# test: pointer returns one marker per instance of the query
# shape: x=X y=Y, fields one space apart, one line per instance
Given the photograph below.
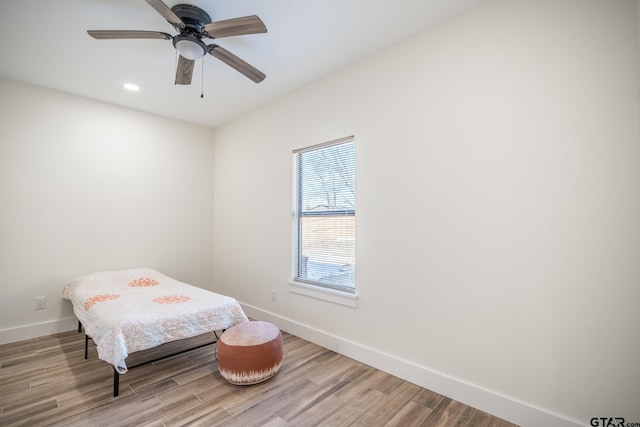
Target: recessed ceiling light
x=131 y=87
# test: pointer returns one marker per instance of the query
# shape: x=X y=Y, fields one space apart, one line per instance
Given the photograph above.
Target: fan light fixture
x=190 y=47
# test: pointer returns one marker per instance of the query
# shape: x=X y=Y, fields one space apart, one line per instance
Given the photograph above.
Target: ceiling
x=44 y=43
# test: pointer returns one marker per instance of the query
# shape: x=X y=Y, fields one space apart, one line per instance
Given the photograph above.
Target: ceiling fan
x=194 y=24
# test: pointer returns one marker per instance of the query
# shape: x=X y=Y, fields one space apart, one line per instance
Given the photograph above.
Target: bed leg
x=116 y=383
x=86 y=346
x=79 y=326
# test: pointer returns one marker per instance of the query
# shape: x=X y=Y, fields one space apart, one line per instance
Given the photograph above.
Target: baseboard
x=37 y=330
x=517 y=412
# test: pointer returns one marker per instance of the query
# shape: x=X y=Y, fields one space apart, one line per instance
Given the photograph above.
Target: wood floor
x=47 y=381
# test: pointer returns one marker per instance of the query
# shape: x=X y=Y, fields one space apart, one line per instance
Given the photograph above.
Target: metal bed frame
x=116 y=374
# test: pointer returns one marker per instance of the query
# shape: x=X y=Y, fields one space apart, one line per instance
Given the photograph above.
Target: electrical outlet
x=41 y=303
x=274 y=295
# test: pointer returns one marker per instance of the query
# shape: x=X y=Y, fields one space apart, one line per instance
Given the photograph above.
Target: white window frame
x=312 y=289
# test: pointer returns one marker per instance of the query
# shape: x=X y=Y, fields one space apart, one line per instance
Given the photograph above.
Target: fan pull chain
x=202 y=79
x=175 y=65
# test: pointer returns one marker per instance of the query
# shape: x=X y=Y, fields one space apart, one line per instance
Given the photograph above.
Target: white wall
x=86 y=186
x=498 y=221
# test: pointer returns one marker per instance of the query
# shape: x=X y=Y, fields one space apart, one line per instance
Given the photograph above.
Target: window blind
x=326 y=214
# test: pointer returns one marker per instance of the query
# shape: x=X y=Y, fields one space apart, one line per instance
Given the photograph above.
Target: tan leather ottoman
x=250 y=352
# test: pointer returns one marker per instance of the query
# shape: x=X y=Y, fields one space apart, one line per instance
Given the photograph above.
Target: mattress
x=131 y=310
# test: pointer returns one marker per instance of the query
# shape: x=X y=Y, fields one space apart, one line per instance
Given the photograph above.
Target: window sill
x=332 y=295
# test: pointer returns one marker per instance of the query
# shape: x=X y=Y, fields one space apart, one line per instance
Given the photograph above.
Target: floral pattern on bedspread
x=132 y=310
x=143 y=282
x=98 y=298
x=171 y=299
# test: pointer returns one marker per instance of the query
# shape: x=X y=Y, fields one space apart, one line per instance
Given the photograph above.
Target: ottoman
x=250 y=352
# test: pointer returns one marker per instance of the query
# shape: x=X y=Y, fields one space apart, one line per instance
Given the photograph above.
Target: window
x=325 y=215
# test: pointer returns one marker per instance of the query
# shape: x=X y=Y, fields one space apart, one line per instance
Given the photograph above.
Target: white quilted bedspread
x=132 y=310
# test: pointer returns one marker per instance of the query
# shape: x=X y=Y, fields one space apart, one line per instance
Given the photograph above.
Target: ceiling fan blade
x=235 y=27
x=166 y=12
x=126 y=34
x=233 y=61
x=184 y=72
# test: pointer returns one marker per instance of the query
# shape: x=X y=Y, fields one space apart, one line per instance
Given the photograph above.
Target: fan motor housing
x=193 y=17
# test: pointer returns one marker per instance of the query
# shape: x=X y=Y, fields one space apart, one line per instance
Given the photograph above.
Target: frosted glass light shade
x=189 y=49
